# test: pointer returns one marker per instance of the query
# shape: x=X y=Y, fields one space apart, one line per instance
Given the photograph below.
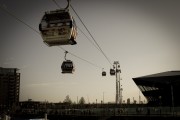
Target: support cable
x=33 y=29
x=91 y=36
x=97 y=45
x=78 y=27
x=80 y=58
x=14 y=16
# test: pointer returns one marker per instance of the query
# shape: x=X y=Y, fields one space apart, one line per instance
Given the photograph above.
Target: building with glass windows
x=9 y=86
x=161 y=89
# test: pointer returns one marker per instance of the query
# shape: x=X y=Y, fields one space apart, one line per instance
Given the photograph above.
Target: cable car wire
x=80 y=58
x=91 y=36
x=98 y=47
x=56 y=3
x=33 y=29
x=87 y=38
x=78 y=27
x=10 y=13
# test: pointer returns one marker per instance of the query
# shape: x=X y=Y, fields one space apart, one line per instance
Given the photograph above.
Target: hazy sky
x=143 y=35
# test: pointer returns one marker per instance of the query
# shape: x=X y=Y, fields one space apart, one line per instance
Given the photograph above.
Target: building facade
x=9 y=86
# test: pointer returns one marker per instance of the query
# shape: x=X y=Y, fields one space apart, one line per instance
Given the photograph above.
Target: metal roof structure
x=163 y=74
x=161 y=88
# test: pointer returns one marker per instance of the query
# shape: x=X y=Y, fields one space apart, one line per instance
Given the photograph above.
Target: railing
x=138 y=111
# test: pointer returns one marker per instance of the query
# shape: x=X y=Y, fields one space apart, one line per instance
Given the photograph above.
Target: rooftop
x=162 y=74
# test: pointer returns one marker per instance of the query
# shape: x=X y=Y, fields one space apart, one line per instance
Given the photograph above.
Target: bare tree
x=67 y=100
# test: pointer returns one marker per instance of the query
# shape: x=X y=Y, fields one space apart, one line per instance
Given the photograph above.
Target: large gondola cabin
x=58 y=28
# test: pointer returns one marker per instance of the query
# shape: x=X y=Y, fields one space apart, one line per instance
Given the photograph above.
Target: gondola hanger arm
x=65 y=54
x=67 y=7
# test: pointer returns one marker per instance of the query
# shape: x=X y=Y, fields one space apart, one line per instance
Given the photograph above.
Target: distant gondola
x=67 y=66
x=112 y=72
x=103 y=73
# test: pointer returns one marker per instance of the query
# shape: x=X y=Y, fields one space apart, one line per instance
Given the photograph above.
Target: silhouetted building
x=161 y=89
x=9 y=86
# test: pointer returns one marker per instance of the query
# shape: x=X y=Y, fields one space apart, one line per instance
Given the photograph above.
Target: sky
x=143 y=35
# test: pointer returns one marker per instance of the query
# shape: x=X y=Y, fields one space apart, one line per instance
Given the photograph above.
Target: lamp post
x=172 y=97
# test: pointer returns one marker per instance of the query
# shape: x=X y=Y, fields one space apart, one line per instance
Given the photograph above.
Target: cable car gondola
x=112 y=72
x=67 y=66
x=58 y=28
x=103 y=72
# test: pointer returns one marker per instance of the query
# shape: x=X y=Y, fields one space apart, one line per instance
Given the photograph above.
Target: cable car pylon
x=118 y=85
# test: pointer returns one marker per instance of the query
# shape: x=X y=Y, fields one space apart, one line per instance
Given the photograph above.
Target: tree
x=82 y=101
x=67 y=100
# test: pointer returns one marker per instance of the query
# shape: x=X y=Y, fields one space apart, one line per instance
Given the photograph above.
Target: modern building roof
x=160 y=85
x=159 y=78
x=163 y=74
